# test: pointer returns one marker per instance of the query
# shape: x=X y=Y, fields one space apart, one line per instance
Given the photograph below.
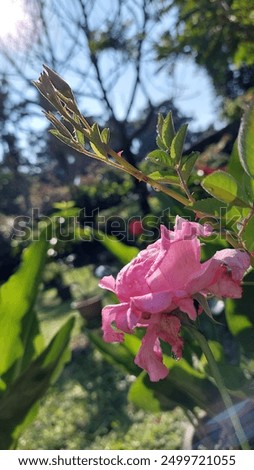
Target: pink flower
x=161 y=281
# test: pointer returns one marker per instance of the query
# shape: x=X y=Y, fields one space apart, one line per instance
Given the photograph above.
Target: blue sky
x=188 y=86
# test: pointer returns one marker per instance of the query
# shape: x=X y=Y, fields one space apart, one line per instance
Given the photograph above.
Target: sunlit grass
x=88 y=407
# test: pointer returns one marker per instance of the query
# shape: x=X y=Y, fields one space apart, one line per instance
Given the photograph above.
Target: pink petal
x=127 y=320
x=186 y=230
x=149 y=356
x=130 y=281
x=153 y=302
x=221 y=275
x=112 y=314
x=226 y=287
x=238 y=261
x=169 y=332
x=108 y=282
x=166 y=236
x=207 y=275
x=187 y=306
x=177 y=267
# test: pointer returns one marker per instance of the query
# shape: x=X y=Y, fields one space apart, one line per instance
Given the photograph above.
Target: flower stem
x=245 y=221
x=132 y=170
x=240 y=434
x=184 y=184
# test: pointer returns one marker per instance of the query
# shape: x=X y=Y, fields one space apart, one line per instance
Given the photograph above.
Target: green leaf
x=95 y=133
x=246 y=141
x=248 y=188
x=59 y=126
x=105 y=135
x=160 y=157
x=98 y=150
x=97 y=143
x=133 y=344
x=119 y=354
x=58 y=82
x=240 y=316
x=167 y=133
x=233 y=377
x=176 y=148
x=188 y=164
x=164 y=177
x=66 y=140
x=209 y=206
x=80 y=137
x=142 y=396
x=160 y=143
x=223 y=187
x=18 y=404
x=240 y=324
x=19 y=330
x=234 y=167
x=184 y=387
x=204 y=304
x=244 y=181
x=122 y=252
x=248 y=235
x=160 y=122
x=78 y=134
x=159 y=140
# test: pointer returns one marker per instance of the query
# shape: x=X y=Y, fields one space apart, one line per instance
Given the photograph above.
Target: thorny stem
x=245 y=221
x=183 y=184
x=231 y=240
x=122 y=164
x=240 y=434
x=128 y=168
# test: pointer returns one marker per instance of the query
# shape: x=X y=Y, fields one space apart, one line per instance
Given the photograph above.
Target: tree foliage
x=219 y=34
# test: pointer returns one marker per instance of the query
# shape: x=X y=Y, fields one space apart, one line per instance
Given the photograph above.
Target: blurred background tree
x=103 y=49
x=218 y=35
x=120 y=57
x=116 y=55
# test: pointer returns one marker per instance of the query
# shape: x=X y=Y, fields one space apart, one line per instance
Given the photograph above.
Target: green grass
x=81 y=281
x=88 y=409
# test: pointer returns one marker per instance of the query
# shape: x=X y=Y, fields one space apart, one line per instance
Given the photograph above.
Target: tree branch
x=87 y=32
